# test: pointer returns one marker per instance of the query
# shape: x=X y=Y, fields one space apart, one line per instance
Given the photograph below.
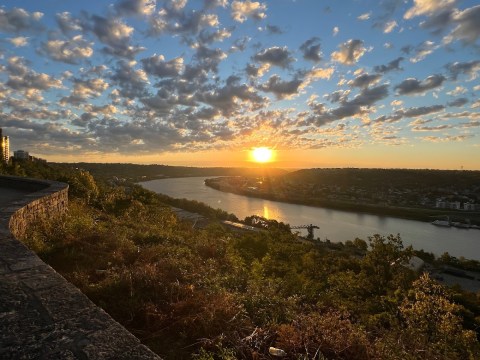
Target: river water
x=335 y=225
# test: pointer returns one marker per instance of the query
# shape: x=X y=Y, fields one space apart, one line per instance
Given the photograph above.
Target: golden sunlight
x=262 y=154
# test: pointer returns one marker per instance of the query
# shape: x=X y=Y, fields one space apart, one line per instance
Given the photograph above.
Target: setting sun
x=262 y=154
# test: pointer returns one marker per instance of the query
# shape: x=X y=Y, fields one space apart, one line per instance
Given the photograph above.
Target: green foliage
x=81 y=185
x=433 y=327
x=220 y=294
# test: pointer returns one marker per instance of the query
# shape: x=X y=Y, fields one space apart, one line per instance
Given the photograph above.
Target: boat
x=461 y=225
x=444 y=223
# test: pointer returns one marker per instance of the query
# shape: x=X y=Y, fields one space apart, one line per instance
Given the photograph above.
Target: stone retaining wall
x=43 y=316
x=47 y=199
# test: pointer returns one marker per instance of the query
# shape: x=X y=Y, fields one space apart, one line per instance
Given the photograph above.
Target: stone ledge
x=43 y=316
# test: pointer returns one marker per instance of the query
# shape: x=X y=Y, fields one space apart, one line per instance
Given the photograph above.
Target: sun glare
x=262 y=154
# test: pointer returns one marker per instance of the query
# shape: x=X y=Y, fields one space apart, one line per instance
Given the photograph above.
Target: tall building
x=4 y=147
x=21 y=155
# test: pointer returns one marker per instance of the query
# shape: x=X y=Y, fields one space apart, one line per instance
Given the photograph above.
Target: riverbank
x=418 y=214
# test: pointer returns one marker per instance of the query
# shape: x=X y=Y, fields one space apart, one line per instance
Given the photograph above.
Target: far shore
x=418 y=214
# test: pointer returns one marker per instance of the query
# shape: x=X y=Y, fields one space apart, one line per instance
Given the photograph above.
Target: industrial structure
x=310 y=234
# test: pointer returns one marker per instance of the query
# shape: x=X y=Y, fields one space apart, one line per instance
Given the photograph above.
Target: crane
x=309 y=228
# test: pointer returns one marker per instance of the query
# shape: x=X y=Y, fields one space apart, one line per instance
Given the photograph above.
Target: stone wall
x=46 y=199
x=43 y=316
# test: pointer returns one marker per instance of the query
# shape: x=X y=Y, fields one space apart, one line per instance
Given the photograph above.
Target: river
x=335 y=225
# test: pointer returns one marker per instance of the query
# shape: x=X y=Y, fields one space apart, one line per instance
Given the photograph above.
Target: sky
x=325 y=83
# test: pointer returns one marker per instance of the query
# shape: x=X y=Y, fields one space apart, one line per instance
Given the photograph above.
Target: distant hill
x=386 y=178
x=136 y=172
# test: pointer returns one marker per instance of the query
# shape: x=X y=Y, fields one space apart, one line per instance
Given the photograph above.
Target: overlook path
x=8 y=194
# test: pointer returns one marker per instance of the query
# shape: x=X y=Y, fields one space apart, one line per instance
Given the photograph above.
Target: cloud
x=457 y=91
x=349 y=52
x=431 y=128
x=158 y=23
x=241 y=10
x=356 y=107
x=412 y=86
x=105 y=110
x=311 y=50
x=389 y=26
x=458 y=102
x=335 y=31
x=338 y=96
x=369 y=96
x=319 y=73
x=273 y=29
x=391 y=66
x=131 y=82
x=438 y=22
x=423 y=50
x=256 y=71
x=23 y=78
x=239 y=44
x=276 y=56
x=207 y=37
x=210 y=4
x=67 y=23
x=209 y=58
x=192 y=23
x=115 y=34
x=468 y=25
x=135 y=7
x=447 y=138
x=364 y=16
x=365 y=80
x=156 y=65
x=442 y=15
x=111 y=31
x=427 y=7
x=230 y=97
x=19 y=41
x=68 y=51
x=469 y=68
x=176 y=5
x=17 y=66
x=281 y=89
x=173 y=19
x=472 y=116
x=83 y=89
x=18 y=19
x=419 y=111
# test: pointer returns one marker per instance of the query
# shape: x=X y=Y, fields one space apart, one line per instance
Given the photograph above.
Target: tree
x=384 y=264
x=433 y=325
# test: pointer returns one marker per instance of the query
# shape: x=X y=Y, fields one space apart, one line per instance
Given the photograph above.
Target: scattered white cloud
x=69 y=51
x=389 y=26
x=241 y=10
x=364 y=16
x=18 y=19
x=427 y=7
x=467 y=25
x=19 y=41
x=457 y=91
x=412 y=86
x=350 y=52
